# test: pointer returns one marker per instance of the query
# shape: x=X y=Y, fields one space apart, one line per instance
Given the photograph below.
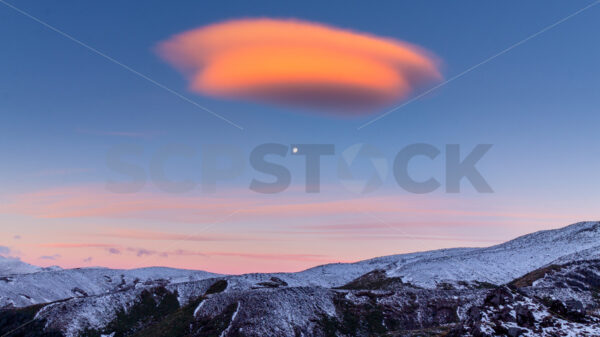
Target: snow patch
x=226 y=331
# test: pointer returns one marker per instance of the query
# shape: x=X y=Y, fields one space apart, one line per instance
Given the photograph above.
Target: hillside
x=540 y=284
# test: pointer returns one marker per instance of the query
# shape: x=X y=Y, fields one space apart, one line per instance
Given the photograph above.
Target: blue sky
x=64 y=106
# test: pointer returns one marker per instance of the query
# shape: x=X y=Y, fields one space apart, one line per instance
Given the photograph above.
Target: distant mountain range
x=542 y=284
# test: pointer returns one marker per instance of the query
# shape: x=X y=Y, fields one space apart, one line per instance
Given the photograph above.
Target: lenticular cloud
x=299 y=63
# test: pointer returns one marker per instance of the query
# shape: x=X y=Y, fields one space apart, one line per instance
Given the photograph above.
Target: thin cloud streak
x=91 y=201
x=127 y=134
x=166 y=236
x=75 y=245
x=142 y=252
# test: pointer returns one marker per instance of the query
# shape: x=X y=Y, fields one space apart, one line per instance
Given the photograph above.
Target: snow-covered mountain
x=44 y=286
x=9 y=265
x=496 y=264
x=554 y=277
x=502 y=263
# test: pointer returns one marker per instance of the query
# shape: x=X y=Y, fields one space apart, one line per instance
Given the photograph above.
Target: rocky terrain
x=542 y=284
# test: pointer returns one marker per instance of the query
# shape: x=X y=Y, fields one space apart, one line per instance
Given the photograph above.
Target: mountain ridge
x=548 y=275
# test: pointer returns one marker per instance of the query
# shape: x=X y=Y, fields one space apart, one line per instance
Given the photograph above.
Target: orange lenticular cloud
x=299 y=63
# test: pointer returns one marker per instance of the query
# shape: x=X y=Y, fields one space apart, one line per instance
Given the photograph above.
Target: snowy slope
x=502 y=263
x=305 y=297
x=15 y=266
x=497 y=264
x=48 y=286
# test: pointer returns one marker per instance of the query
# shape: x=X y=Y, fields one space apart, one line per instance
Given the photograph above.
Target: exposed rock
x=515 y=332
x=274 y=282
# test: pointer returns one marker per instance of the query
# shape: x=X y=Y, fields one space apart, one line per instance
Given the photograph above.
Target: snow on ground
x=505 y=262
x=543 y=323
x=48 y=286
x=497 y=264
x=226 y=331
x=119 y=288
x=9 y=266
